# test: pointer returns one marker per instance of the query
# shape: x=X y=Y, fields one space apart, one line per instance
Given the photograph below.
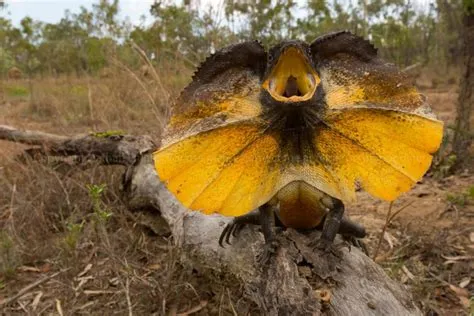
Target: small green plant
x=73 y=235
x=470 y=192
x=108 y=133
x=461 y=198
x=79 y=90
x=457 y=199
x=445 y=166
x=101 y=213
x=95 y=193
x=16 y=91
x=394 y=268
x=8 y=257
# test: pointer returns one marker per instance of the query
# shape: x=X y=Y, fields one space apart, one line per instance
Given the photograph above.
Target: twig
x=221 y=301
x=29 y=287
x=387 y=219
x=195 y=309
x=98 y=292
x=84 y=306
x=127 y=294
x=399 y=211
x=183 y=57
x=142 y=85
x=36 y=300
x=140 y=82
x=438 y=278
x=22 y=306
x=142 y=53
x=411 y=67
x=59 y=307
x=230 y=303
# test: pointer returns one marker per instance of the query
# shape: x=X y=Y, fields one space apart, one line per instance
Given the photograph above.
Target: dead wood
x=113 y=149
x=411 y=68
x=298 y=281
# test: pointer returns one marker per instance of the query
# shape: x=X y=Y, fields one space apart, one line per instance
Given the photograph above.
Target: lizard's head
x=290 y=75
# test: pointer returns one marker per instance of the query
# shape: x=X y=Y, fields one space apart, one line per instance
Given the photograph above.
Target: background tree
x=462 y=137
x=268 y=21
x=85 y=42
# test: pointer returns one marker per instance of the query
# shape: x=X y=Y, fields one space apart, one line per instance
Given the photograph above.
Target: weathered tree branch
x=109 y=149
x=290 y=285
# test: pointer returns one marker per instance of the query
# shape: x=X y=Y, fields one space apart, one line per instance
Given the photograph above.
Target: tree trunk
x=298 y=281
x=462 y=137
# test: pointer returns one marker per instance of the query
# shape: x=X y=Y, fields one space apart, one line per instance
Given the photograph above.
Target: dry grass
x=52 y=221
x=124 y=99
x=53 y=218
x=429 y=245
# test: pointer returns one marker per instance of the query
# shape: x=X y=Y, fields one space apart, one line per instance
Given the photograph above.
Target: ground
x=112 y=261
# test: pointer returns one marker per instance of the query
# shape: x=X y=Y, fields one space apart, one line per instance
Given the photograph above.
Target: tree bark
x=298 y=280
x=462 y=137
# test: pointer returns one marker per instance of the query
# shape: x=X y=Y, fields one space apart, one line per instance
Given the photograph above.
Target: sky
x=53 y=10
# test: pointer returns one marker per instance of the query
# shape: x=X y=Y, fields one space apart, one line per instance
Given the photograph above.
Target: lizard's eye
x=292 y=79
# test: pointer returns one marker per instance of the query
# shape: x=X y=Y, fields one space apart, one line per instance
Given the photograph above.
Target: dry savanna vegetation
x=69 y=245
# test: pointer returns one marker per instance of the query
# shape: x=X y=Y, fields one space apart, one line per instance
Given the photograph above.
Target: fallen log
x=298 y=281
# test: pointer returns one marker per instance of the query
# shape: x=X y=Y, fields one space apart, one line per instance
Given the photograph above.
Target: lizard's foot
x=328 y=247
x=269 y=250
x=356 y=242
x=321 y=244
x=263 y=216
x=231 y=229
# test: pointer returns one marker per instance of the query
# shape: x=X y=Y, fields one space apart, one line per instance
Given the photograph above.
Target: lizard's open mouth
x=293 y=79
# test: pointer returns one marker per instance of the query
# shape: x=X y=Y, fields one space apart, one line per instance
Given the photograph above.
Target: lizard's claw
x=269 y=250
x=328 y=247
x=231 y=229
x=356 y=242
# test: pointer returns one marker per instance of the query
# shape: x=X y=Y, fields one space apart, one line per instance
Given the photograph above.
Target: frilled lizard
x=292 y=132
